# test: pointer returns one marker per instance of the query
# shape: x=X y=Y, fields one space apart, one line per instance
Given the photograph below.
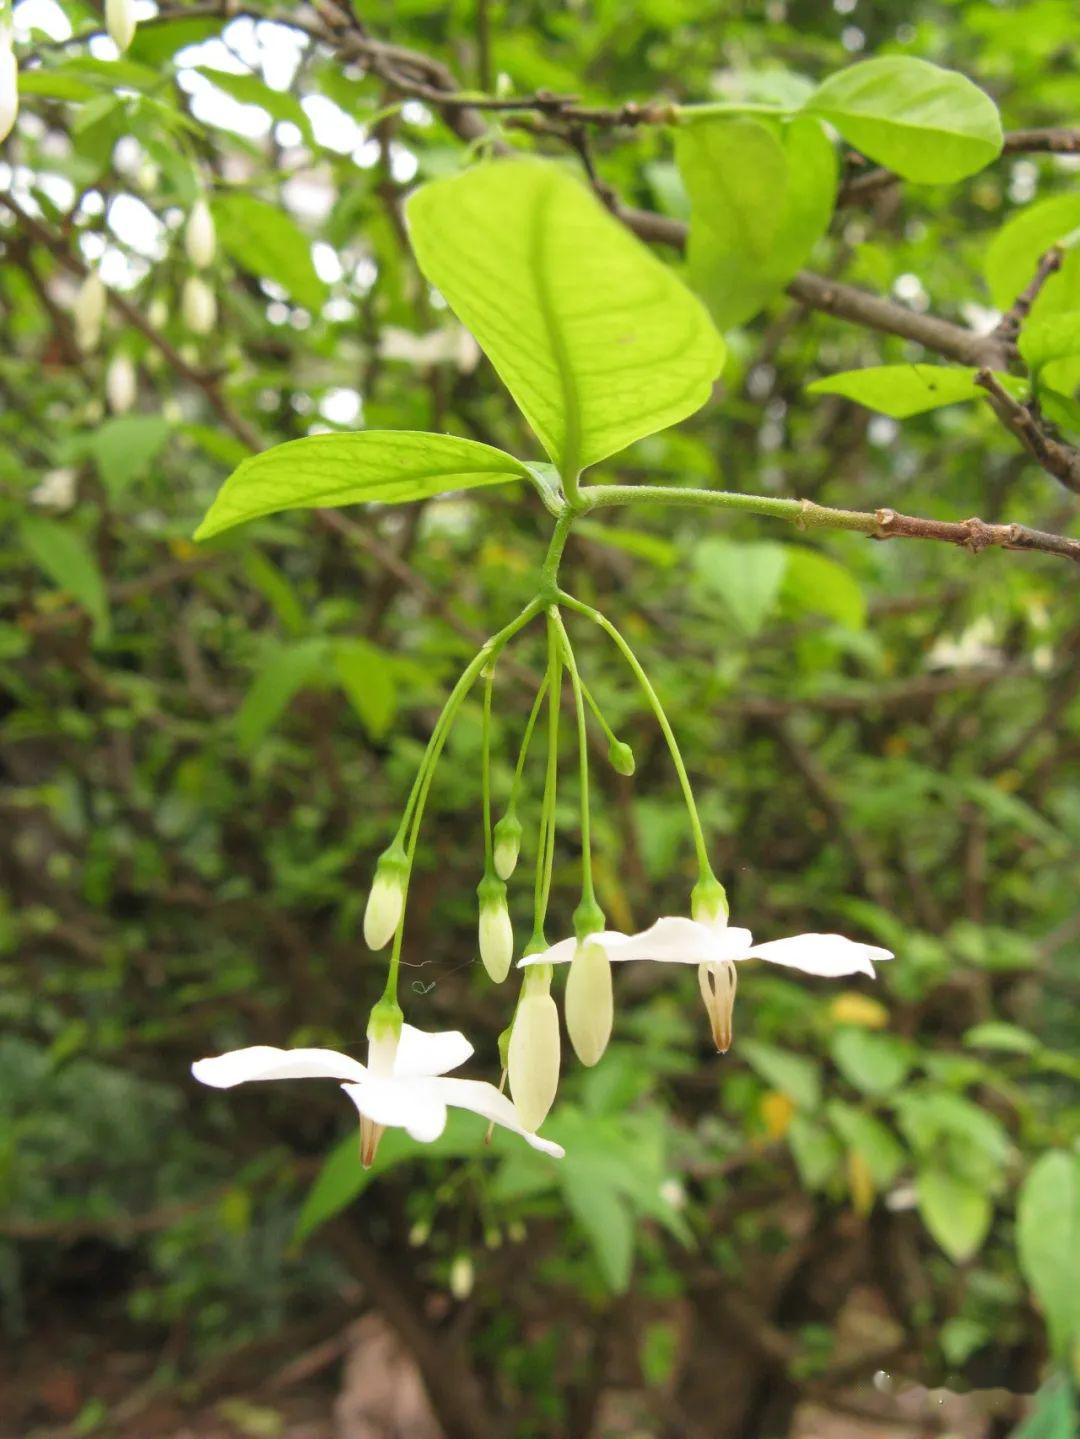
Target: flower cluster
x=404 y=1082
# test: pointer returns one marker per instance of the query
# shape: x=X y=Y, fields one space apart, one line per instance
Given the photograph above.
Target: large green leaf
x=762 y=195
x=956 y=1212
x=870 y=1138
x=816 y=582
x=605 y=1217
x=597 y=340
x=126 y=446
x=1017 y=248
x=1048 y=1239
x=905 y=390
x=368 y=681
x=746 y=576
x=390 y=466
x=874 y=1063
x=266 y=240
x=63 y=554
x=287 y=670
x=926 y=123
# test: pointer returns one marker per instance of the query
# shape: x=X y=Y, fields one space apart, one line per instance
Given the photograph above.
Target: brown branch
x=1055 y=456
x=1010 y=324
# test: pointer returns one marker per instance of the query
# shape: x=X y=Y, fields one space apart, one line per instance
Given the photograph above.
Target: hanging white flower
x=121 y=384
x=590 y=1002
x=89 y=311
x=198 y=305
x=534 y=1055
x=412 y=1094
x=120 y=22
x=9 y=83
x=200 y=237
x=716 y=949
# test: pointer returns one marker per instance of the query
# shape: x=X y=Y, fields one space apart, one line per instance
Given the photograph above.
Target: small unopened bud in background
x=120 y=22
x=9 y=83
x=462 y=1277
x=589 y=1004
x=121 y=384
x=198 y=306
x=533 y=1059
x=386 y=899
x=496 y=931
x=507 y=838
x=420 y=1233
x=200 y=240
x=621 y=757
x=89 y=311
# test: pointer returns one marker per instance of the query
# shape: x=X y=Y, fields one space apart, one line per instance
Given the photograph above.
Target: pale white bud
x=507 y=838
x=462 y=1277
x=9 y=83
x=158 y=312
x=386 y=899
x=89 y=311
x=590 y=1004
x=496 y=931
x=120 y=22
x=198 y=306
x=718 y=982
x=200 y=239
x=533 y=1060
x=121 y=384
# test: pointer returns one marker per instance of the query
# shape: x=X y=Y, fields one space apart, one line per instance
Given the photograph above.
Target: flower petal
x=828 y=955
x=414 y=1105
x=677 y=940
x=564 y=950
x=420 y=1053
x=262 y=1061
x=483 y=1098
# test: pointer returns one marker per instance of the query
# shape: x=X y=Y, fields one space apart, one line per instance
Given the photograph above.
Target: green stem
x=485 y=765
x=526 y=741
x=662 y=720
x=545 y=849
x=588 y=898
x=803 y=513
x=609 y=734
x=549 y=570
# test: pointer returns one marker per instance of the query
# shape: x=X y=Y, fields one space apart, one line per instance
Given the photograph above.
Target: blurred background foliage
x=867 y=1208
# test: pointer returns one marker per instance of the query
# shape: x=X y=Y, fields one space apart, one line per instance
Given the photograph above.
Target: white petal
x=827 y=955
x=564 y=951
x=676 y=940
x=410 y=1104
x=262 y=1061
x=483 y=1098
x=420 y=1053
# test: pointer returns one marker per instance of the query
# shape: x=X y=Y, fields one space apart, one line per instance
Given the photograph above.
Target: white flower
x=198 y=306
x=590 y=1002
x=9 y=83
x=716 y=949
x=200 y=237
x=450 y=345
x=533 y=1056
x=120 y=22
x=89 y=311
x=57 y=490
x=411 y=1093
x=121 y=384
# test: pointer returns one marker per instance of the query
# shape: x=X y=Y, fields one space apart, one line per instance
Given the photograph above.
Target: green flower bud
x=621 y=757
x=387 y=898
x=507 y=837
x=708 y=901
x=496 y=931
x=462 y=1277
x=533 y=1059
x=589 y=1005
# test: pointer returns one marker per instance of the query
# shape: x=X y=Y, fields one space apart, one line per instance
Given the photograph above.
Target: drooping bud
x=718 y=982
x=200 y=237
x=507 y=838
x=120 y=22
x=462 y=1276
x=121 y=384
x=533 y=1059
x=198 y=306
x=496 y=931
x=589 y=1004
x=387 y=898
x=708 y=902
x=621 y=757
x=9 y=83
x=383 y=1033
x=89 y=311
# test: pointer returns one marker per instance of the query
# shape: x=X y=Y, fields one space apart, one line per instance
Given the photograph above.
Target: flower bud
x=718 y=983
x=507 y=837
x=89 y=311
x=462 y=1276
x=9 y=83
x=533 y=1061
x=621 y=757
x=589 y=1004
x=387 y=898
x=198 y=306
x=158 y=312
x=200 y=239
x=120 y=22
x=420 y=1233
x=121 y=384
x=708 y=902
x=496 y=931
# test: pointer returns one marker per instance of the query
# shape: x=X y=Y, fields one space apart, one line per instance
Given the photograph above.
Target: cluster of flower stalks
x=404 y=1082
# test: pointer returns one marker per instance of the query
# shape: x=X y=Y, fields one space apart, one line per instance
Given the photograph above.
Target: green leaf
x=926 y=123
x=996 y=1034
x=265 y=240
x=1014 y=254
x=795 y=1075
x=761 y=195
x=1056 y=1414
x=816 y=582
x=276 y=589
x=1048 y=1243
x=63 y=554
x=956 y=1212
x=1054 y=338
x=872 y=1140
x=815 y=1151
x=391 y=466
x=639 y=543
x=874 y=1063
x=905 y=390
x=367 y=679
x=604 y=1216
x=746 y=576
x=288 y=670
x=596 y=339
x=124 y=448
